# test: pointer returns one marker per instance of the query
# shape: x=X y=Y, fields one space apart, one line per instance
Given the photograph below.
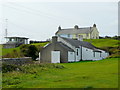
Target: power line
x=38 y=14
x=45 y=14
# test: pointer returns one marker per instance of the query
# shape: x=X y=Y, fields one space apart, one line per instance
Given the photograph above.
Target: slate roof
x=65 y=46
x=61 y=45
x=75 y=31
x=78 y=43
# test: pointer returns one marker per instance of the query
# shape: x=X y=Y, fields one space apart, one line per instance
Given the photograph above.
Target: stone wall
x=17 y=61
x=9 y=45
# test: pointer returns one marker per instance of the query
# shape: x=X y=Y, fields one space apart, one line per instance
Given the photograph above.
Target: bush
x=8 y=68
x=29 y=51
x=34 y=68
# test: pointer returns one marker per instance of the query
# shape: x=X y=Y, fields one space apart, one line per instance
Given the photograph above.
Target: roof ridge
x=74 y=28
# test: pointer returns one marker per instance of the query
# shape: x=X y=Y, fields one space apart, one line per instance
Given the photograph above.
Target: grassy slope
x=95 y=74
x=111 y=45
x=101 y=43
x=0 y=50
x=10 y=50
x=104 y=42
x=41 y=44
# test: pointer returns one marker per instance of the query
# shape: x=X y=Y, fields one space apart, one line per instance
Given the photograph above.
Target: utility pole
x=6 y=26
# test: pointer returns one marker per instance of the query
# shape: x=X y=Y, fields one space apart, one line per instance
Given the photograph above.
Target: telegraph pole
x=6 y=26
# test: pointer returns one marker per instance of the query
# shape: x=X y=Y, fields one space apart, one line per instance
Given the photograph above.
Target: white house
x=84 y=32
x=63 y=50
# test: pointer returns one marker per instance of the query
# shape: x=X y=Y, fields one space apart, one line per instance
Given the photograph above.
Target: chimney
x=54 y=39
x=76 y=27
x=80 y=37
x=94 y=25
x=59 y=28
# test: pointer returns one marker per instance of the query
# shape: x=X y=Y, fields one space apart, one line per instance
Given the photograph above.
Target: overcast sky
x=40 y=20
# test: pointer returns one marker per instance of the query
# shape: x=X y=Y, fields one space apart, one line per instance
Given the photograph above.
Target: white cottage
x=63 y=50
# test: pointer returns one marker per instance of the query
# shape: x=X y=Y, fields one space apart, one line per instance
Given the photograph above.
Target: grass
x=41 y=44
x=104 y=42
x=0 y=50
x=9 y=52
x=89 y=74
x=110 y=45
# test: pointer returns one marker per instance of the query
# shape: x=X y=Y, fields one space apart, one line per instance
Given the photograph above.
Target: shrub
x=8 y=68
x=29 y=51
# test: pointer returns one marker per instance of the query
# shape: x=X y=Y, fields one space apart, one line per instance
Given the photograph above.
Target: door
x=55 y=56
x=71 y=56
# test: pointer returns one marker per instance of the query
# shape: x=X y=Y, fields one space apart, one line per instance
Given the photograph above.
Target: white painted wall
x=55 y=56
x=39 y=57
x=71 y=56
x=94 y=33
x=87 y=54
x=97 y=56
x=104 y=54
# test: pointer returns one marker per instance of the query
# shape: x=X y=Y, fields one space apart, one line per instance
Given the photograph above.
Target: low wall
x=17 y=61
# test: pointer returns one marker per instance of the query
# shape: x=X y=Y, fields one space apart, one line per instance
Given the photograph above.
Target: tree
x=107 y=37
x=29 y=51
x=32 y=52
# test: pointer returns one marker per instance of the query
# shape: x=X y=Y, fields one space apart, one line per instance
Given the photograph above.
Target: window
x=100 y=54
x=68 y=35
x=71 y=53
x=93 y=54
x=77 y=52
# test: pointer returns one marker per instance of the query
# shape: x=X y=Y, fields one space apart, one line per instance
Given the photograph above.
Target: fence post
x=39 y=57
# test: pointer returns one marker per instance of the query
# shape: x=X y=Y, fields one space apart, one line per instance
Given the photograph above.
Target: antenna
x=6 y=32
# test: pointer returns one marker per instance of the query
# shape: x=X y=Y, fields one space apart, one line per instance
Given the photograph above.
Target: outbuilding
x=64 y=50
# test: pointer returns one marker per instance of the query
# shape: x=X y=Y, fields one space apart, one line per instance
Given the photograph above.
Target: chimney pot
x=59 y=28
x=94 y=25
x=76 y=27
x=54 y=39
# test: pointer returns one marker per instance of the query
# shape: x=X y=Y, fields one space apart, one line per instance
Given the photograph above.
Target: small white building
x=63 y=50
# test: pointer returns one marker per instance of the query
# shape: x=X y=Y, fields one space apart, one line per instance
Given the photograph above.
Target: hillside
x=110 y=45
x=104 y=42
x=15 y=52
x=84 y=74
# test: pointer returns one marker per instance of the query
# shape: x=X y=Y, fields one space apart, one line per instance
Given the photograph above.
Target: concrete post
x=39 y=57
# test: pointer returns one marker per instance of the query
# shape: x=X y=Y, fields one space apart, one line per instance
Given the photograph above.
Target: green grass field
x=10 y=51
x=104 y=42
x=0 y=50
x=41 y=44
x=86 y=74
